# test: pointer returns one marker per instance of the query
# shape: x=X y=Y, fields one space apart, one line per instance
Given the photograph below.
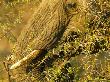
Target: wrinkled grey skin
x=43 y=30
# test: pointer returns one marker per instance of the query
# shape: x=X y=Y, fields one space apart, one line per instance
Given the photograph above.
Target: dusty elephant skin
x=42 y=31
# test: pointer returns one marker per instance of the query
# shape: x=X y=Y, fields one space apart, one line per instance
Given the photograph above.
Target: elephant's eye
x=71 y=5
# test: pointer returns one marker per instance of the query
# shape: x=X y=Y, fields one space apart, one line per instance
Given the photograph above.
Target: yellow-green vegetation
x=81 y=55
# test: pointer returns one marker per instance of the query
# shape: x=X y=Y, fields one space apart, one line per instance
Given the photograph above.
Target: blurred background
x=13 y=17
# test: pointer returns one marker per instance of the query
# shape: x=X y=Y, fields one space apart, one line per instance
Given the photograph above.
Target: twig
x=7 y=69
